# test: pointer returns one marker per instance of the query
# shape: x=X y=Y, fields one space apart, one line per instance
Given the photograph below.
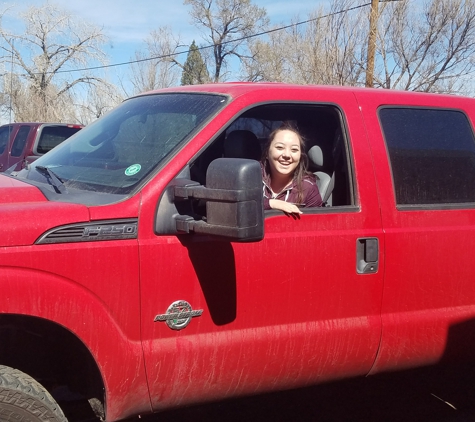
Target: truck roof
x=235 y=89
x=38 y=124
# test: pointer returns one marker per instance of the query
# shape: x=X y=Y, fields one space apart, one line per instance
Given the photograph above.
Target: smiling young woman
x=287 y=183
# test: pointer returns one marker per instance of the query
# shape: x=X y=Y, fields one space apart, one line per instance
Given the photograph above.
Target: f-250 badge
x=178 y=315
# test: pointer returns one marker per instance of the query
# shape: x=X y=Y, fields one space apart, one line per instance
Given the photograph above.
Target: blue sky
x=127 y=23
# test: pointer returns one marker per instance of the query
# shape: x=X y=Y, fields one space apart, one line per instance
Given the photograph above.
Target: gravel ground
x=412 y=396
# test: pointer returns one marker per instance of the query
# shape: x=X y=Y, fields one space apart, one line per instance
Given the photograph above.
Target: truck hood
x=14 y=191
x=25 y=213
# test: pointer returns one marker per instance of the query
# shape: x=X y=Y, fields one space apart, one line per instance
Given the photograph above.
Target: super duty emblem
x=110 y=230
x=119 y=229
x=178 y=315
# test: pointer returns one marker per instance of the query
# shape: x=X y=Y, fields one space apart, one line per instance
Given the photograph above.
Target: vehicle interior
x=325 y=145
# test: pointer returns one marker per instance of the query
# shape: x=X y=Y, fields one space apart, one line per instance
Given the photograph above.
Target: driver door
x=291 y=310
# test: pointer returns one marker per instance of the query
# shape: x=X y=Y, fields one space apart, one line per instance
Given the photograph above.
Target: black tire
x=22 y=399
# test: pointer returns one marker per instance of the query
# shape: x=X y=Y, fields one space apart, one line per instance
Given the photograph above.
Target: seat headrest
x=315 y=155
x=242 y=144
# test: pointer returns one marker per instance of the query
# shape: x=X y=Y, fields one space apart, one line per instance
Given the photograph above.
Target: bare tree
x=28 y=106
x=344 y=47
x=427 y=49
x=52 y=44
x=421 y=47
x=158 y=66
x=5 y=96
x=268 y=60
x=98 y=100
x=226 y=24
x=326 y=50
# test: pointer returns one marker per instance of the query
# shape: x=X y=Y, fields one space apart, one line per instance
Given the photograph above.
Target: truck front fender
x=76 y=308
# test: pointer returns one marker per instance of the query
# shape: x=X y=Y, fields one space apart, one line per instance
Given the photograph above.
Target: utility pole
x=373 y=25
x=11 y=81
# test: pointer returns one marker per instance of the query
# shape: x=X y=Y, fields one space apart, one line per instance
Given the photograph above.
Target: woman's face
x=284 y=153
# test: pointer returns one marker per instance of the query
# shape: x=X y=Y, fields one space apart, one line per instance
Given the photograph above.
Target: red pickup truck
x=139 y=270
x=22 y=143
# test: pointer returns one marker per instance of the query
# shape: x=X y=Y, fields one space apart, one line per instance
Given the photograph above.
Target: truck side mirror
x=233 y=203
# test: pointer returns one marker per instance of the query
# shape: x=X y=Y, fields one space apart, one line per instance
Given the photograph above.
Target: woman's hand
x=287 y=207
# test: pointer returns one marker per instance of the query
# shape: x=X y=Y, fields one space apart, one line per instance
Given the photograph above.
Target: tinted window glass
x=4 y=137
x=432 y=154
x=52 y=136
x=20 y=141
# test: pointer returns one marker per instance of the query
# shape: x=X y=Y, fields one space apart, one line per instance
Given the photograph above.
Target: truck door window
x=20 y=141
x=4 y=137
x=432 y=155
x=321 y=125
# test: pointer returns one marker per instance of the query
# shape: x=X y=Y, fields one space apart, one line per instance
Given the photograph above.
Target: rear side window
x=52 y=136
x=4 y=137
x=432 y=155
x=20 y=141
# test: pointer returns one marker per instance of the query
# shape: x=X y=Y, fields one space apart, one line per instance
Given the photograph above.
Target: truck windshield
x=115 y=153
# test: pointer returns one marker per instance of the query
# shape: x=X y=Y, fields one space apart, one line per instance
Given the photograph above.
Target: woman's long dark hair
x=300 y=172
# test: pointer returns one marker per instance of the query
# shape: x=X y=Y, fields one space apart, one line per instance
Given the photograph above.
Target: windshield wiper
x=52 y=179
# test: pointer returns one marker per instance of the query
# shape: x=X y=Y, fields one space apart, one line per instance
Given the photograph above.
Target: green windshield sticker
x=133 y=169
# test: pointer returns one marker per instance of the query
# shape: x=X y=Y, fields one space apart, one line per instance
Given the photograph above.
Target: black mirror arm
x=217 y=195
x=187 y=224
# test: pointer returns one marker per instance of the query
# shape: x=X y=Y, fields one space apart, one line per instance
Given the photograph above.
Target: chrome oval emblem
x=178 y=315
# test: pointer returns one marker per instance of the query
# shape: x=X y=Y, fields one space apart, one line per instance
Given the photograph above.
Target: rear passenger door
x=425 y=163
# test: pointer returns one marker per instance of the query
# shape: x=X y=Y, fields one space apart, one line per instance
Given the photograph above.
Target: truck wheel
x=24 y=399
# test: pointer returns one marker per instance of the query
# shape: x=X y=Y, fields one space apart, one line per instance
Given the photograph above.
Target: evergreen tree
x=194 y=69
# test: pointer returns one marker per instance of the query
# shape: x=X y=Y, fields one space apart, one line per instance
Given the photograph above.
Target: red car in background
x=22 y=143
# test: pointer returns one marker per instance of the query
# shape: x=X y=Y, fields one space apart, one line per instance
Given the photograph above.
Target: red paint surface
x=284 y=312
x=429 y=295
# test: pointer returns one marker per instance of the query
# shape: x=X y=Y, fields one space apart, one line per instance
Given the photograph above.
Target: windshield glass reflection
x=115 y=153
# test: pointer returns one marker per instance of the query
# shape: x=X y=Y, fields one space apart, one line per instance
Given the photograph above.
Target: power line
x=223 y=43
